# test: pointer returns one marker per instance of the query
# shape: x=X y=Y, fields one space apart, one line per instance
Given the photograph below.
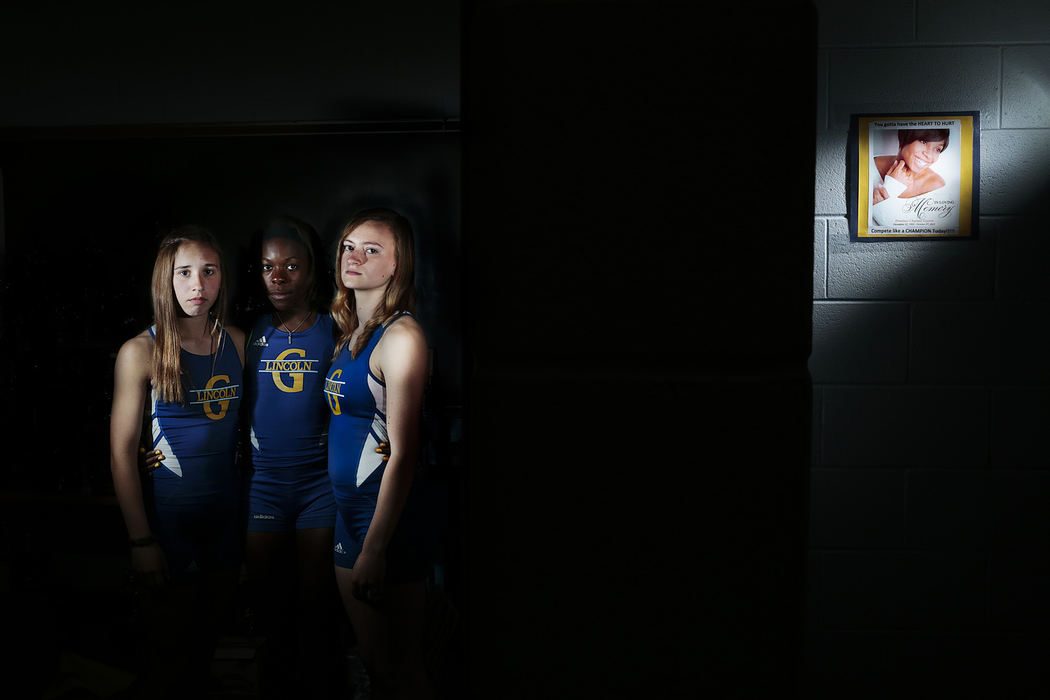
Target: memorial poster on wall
x=914 y=176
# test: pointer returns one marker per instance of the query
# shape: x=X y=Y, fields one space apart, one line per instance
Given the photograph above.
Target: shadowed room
x=613 y=210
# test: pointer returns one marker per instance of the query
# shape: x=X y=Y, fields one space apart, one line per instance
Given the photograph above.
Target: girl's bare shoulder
x=135 y=354
x=405 y=329
x=403 y=345
x=141 y=343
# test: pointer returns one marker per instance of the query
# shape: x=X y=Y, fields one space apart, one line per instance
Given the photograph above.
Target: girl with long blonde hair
x=182 y=521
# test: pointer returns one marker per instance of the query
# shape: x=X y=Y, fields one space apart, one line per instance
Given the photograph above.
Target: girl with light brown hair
x=375 y=389
x=182 y=521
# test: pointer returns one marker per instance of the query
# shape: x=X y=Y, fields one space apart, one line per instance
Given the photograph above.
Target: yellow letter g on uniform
x=297 y=377
x=209 y=389
x=332 y=387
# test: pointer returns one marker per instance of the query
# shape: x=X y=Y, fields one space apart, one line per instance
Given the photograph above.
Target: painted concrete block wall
x=930 y=488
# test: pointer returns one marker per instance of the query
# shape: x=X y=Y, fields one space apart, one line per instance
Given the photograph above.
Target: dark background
x=616 y=279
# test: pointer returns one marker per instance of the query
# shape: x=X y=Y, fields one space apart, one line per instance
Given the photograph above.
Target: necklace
x=289 y=332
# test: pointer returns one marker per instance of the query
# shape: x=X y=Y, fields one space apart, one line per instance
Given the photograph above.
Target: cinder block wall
x=930 y=516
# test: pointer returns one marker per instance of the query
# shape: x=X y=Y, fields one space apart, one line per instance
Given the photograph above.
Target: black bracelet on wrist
x=142 y=541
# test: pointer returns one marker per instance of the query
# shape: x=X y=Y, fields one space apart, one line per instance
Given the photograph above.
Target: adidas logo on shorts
x=339 y=548
x=263 y=516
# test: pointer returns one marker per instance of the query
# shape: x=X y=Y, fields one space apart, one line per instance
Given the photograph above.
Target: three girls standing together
x=321 y=393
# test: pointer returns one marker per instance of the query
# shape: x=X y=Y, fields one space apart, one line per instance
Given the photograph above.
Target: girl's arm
x=131 y=382
x=401 y=357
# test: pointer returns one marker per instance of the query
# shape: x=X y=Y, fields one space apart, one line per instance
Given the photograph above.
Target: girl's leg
x=182 y=622
x=270 y=567
x=390 y=638
x=318 y=609
x=169 y=641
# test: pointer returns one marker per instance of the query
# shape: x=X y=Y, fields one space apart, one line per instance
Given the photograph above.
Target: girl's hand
x=150 y=565
x=879 y=194
x=367 y=576
x=900 y=172
x=149 y=460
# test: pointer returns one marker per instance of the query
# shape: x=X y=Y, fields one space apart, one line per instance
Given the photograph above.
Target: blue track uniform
x=290 y=489
x=357 y=400
x=192 y=497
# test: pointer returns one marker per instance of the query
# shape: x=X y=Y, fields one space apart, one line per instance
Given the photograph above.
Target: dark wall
x=929 y=533
x=178 y=63
x=639 y=183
